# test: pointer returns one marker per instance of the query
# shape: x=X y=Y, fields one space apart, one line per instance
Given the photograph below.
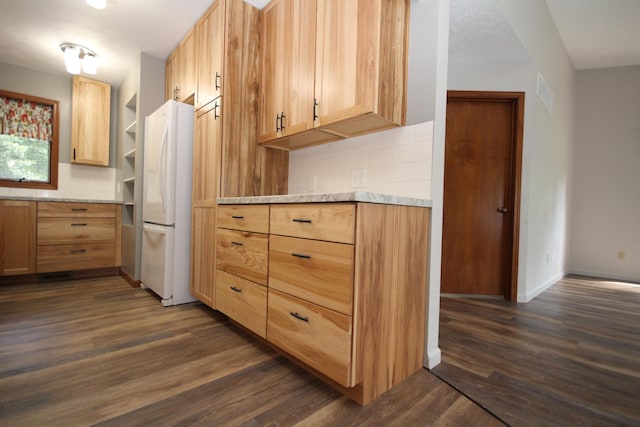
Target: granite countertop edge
x=352 y=196
x=60 y=199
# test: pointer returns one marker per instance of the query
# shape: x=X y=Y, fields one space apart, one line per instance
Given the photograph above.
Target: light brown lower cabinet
x=17 y=237
x=352 y=313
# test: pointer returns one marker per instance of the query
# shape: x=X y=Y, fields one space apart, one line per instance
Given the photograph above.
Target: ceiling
x=597 y=33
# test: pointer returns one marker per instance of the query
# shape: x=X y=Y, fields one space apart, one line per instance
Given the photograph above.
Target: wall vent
x=544 y=93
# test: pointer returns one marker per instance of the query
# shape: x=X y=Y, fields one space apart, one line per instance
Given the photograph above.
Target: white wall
x=396 y=161
x=74 y=181
x=606 y=175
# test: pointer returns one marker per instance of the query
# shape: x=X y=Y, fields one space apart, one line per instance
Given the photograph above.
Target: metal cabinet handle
x=278 y=122
x=237 y=217
x=298 y=316
x=77 y=251
x=233 y=288
x=237 y=243
x=79 y=209
x=217 y=78
x=216 y=116
x=315 y=109
x=282 y=117
x=79 y=225
x=307 y=221
x=301 y=255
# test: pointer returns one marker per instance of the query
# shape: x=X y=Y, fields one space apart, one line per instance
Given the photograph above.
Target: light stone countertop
x=352 y=196
x=59 y=199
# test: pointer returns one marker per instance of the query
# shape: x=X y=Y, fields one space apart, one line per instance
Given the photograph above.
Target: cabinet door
x=203 y=254
x=90 y=119
x=287 y=78
x=206 y=155
x=187 y=64
x=209 y=48
x=17 y=237
x=171 y=76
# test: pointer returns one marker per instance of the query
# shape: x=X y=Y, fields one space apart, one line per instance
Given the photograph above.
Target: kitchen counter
x=58 y=199
x=352 y=196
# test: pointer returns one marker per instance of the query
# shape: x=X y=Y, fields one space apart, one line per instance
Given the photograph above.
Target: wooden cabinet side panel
x=187 y=64
x=209 y=51
x=203 y=255
x=206 y=156
x=90 y=122
x=171 y=75
x=390 y=294
x=17 y=237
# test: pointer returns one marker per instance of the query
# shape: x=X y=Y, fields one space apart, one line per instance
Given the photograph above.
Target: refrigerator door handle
x=162 y=164
x=154 y=228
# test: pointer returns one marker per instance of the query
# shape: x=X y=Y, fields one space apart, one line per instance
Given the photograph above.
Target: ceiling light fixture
x=76 y=57
x=97 y=4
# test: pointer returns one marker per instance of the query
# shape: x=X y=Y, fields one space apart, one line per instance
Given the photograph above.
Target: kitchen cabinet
x=17 y=237
x=90 y=121
x=77 y=236
x=180 y=71
x=345 y=287
x=358 y=81
x=209 y=33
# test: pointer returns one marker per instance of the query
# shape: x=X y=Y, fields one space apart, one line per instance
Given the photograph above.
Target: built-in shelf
x=132 y=102
x=131 y=129
x=129 y=180
x=130 y=154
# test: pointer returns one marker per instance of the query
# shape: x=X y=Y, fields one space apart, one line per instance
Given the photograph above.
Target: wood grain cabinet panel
x=243 y=254
x=75 y=257
x=90 y=121
x=17 y=237
x=209 y=35
x=76 y=210
x=243 y=301
x=244 y=217
x=321 y=221
x=319 y=272
x=203 y=236
x=74 y=230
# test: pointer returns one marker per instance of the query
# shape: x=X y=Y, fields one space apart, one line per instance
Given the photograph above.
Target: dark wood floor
x=98 y=352
x=570 y=357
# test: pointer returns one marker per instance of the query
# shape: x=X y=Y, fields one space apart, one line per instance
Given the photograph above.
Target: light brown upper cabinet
x=209 y=50
x=90 y=119
x=338 y=64
x=180 y=71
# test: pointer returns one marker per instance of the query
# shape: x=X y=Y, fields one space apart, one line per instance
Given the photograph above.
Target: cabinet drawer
x=332 y=222
x=319 y=337
x=75 y=257
x=72 y=209
x=243 y=301
x=244 y=217
x=75 y=230
x=319 y=272
x=243 y=254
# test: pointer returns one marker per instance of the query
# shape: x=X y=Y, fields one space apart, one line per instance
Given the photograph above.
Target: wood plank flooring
x=98 y=352
x=570 y=357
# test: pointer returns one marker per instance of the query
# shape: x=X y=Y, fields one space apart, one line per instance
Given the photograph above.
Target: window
x=28 y=141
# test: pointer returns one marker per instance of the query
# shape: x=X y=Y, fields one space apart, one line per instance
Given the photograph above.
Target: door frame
x=513 y=230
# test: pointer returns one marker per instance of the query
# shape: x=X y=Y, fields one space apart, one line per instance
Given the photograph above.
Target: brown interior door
x=478 y=251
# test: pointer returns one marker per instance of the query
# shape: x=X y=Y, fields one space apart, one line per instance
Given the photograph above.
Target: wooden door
x=287 y=76
x=481 y=193
x=90 y=121
x=203 y=254
x=187 y=65
x=206 y=155
x=209 y=50
x=17 y=237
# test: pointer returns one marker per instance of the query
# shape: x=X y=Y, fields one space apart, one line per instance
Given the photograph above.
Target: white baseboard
x=529 y=295
x=604 y=275
x=432 y=358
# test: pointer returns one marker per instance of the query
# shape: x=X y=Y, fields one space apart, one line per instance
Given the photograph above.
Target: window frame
x=53 y=158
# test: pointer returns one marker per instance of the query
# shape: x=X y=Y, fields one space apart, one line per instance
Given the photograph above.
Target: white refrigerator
x=166 y=202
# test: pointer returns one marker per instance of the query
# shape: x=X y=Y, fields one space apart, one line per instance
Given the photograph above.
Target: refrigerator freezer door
x=157 y=263
x=159 y=184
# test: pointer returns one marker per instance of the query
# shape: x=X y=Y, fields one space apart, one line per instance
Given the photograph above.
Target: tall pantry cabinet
x=227 y=159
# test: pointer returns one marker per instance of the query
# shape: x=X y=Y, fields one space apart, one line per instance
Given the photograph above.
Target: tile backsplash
x=396 y=161
x=74 y=182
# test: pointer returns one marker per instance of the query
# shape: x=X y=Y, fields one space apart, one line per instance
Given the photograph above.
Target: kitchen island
x=337 y=282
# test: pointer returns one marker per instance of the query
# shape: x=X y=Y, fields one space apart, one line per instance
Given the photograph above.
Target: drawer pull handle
x=78 y=251
x=237 y=243
x=79 y=225
x=301 y=255
x=307 y=221
x=233 y=288
x=298 y=316
x=79 y=209
x=237 y=217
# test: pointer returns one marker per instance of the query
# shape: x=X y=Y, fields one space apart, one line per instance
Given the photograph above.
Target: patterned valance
x=26 y=119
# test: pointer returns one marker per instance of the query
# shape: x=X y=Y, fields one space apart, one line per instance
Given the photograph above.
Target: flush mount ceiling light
x=77 y=57
x=97 y=4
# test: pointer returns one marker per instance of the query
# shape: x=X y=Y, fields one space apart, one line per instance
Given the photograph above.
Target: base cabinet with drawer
x=345 y=288
x=77 y=236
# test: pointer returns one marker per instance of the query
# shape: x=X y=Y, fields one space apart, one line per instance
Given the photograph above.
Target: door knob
x=503 y=210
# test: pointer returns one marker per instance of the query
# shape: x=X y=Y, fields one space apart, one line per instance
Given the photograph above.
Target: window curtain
x=26 y=119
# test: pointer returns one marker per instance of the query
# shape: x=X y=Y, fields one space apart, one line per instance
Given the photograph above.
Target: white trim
x=433 y=358
x=528 y=296
x=605 y=275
